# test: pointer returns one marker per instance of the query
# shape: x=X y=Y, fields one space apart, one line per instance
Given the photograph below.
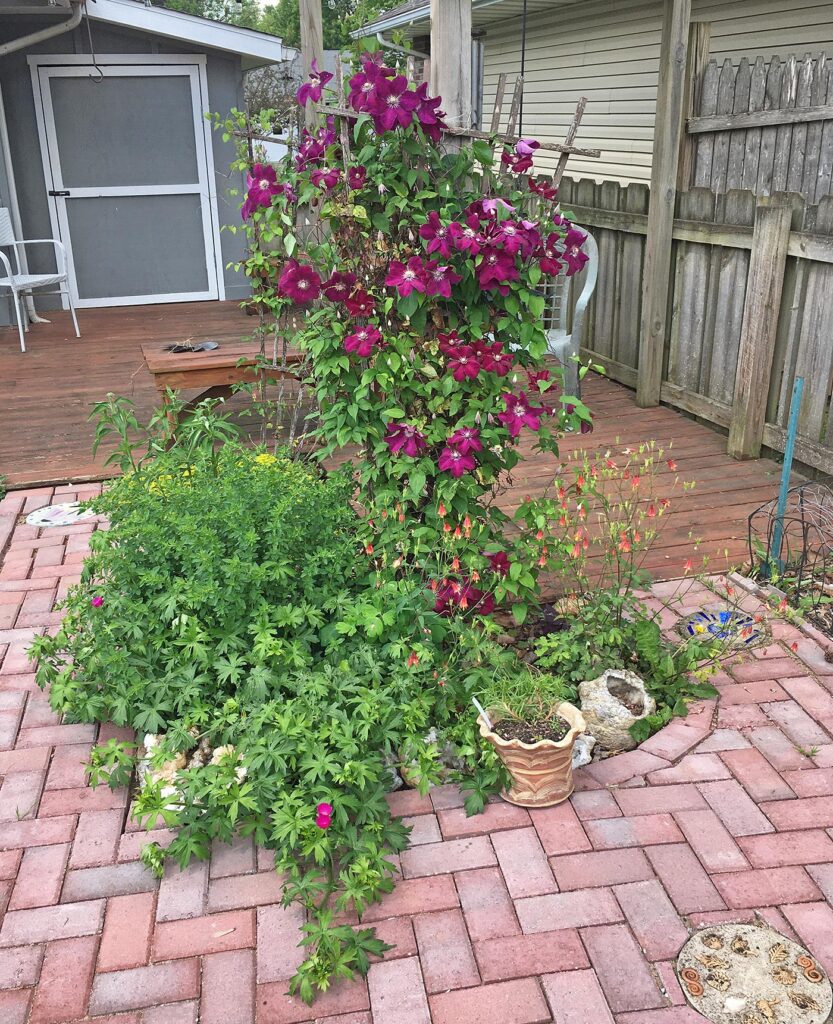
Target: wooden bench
x=216 y=371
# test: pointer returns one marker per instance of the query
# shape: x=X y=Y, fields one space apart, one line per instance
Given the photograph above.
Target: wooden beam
x=697 y=58
x=668 y=130
x=569 y=139
x=451 y=59
x=759 y=119
x=760 y=324
x=312 y=47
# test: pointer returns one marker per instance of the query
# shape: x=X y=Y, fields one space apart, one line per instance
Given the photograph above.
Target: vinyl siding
x=608 y=50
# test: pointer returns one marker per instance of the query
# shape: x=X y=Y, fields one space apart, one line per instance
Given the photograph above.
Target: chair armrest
x=60 y=250
x=4 y=259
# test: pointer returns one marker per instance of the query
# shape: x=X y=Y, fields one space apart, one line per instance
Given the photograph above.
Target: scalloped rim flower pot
x=542 y=773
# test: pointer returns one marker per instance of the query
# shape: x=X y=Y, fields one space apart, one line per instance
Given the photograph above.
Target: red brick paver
x=571 y=914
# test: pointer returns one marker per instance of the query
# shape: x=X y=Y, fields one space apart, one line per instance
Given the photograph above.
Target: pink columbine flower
x=438 y=280
x=311 y=90
x=455 y=462
x=356 y=177
x=97 y=601
x=324 y=815
x=339 y=286
x=299 y=282
x=465 y=440
x=362 y=341
x=526 y=147
x=436 y=234
x=407 y=278
x=519 y=413
x=360 y=304
x=405 y=439
x=464 y=364
x=325 y=179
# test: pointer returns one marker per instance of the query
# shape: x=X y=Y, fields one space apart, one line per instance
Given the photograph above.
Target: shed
x=105 y=145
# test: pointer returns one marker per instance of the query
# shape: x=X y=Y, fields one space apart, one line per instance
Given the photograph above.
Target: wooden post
x=451 y=60
x=770 y=238
x=668 y=130
x=697 y=58
x=312 y=47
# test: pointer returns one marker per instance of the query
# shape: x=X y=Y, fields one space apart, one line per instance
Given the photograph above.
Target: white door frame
x=193 y=66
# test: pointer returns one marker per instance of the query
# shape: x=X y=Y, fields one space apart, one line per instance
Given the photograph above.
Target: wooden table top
x=229 y=353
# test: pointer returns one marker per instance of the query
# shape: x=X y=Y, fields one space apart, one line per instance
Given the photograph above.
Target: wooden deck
x=47 y=394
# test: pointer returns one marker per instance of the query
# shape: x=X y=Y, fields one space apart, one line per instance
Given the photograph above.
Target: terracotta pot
x=542 y=773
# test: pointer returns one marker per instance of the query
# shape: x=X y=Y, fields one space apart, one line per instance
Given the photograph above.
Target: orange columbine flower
x=455 y=563
x=672 y=465
x=433 y=585
x=464 y=603
x=446 y=527
x=401 y=517
x=652 y=511
x=441 y=511
x=580 y=480
x=637 y=537
x=413 y=659
x=782 y=605
x=576 y=552
x=794 y=646
x=458 y=533
x=441 y=683
x=384 y=513
x=467 y=523
x=624 y=545
x=542 y=561
x=664 y=502
x=562 y=521
x=610 y=464
x=688 y=566
x=539 y=535
x=475 y=576
x=582 y=512
x=637 y=480
x=368 y=549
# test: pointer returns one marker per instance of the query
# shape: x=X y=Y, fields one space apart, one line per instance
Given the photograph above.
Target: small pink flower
x=97 y=601
x=324 y=815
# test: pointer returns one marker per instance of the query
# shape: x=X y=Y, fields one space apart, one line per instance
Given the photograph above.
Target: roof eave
x=385 y=24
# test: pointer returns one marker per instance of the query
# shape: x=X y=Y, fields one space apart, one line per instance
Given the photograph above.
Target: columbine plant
x=423 y=275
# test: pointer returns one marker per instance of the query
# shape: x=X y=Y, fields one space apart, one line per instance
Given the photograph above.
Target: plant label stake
x=482 y=711
x=786 y=469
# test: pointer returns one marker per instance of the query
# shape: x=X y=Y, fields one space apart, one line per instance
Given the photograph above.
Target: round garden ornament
x=724 y=624
x=751 y=974
x=66 y=514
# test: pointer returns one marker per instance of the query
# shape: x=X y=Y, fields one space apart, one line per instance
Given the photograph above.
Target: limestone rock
x=583 y=749
x=611 y=704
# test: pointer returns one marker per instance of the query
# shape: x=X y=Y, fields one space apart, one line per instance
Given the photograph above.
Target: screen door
x=129 y=180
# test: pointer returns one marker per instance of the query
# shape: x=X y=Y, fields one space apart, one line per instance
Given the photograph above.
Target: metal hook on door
x=98 y=77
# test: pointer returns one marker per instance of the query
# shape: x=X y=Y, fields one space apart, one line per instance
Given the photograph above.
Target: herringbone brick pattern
x=572 y=914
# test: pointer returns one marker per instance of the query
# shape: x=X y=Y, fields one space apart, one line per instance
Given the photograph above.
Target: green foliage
x=339 y=19
x=245 y=13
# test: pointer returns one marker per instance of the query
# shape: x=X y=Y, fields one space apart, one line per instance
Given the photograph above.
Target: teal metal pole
x=786 y=470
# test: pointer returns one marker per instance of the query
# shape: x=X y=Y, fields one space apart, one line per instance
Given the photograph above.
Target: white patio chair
x=564 y=344
x=20 y=283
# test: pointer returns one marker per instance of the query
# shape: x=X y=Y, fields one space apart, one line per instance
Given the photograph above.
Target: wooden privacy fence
x=750 y=307
x=765 y=126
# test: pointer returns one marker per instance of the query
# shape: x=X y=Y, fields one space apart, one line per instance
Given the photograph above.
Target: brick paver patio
x=572 y=914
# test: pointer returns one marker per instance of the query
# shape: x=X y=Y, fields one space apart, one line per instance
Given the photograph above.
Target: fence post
x=764 y=285
x=312 y=47
x=451 y=61
x=668 y=130
x=697 y=59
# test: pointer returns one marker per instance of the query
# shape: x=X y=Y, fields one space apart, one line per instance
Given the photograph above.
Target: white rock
x=607 y=718
x=583 y=749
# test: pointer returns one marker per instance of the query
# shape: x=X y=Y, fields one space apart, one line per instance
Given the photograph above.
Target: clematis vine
x=465 y=440
x=519 y=413
x=405 y=439
x=436 y=235
x=407 y=278
x=363 y=341
x=456 y=462
x=325 y=179
x=311 y=91
x=360 y=303
x=464 y=364
x=339 y=286
x=299 y=283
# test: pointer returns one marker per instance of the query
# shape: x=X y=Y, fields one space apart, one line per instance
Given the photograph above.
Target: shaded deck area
x=47 y=394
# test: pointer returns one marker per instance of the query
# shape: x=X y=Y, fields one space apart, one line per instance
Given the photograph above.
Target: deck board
x=47 y=394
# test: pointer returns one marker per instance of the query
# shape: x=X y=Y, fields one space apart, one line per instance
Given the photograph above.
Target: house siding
x=608 y=50
x=225 y=90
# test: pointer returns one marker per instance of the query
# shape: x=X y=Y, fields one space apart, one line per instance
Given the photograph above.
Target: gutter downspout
x=12 y=46
x=400 y=49
x=72 y=22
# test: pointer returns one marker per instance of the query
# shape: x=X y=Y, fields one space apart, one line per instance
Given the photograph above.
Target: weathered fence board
x=767 y=127
x=713 y=245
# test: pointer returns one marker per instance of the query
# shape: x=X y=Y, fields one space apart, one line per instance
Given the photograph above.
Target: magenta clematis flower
x=536 y=377
x=428 y=114
x=500 y=563
x=311 y=90
x=467 y=237
x=324 y=815
x=405 y=439
x=436 y=234
x=407 y=278
x=519 y=413
x=325 y=179
x=449 y=343
x=526 y=147
x=360 y=304
x=510 y=235
x=550 y=262
x=356 y=177
x=97 y=601
x=514 y=162
x=455 y=462
x=362 y=341
x=543 y=188
x=363 y=84
x=465 y=440
x=496 y=270
x=493 y=358
x=463 y=363
x=338 y=288
x=573 y=255
x=262 y=183
x=489 y=206
x=438 y=280
x=391 y=104
x=299 y=282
